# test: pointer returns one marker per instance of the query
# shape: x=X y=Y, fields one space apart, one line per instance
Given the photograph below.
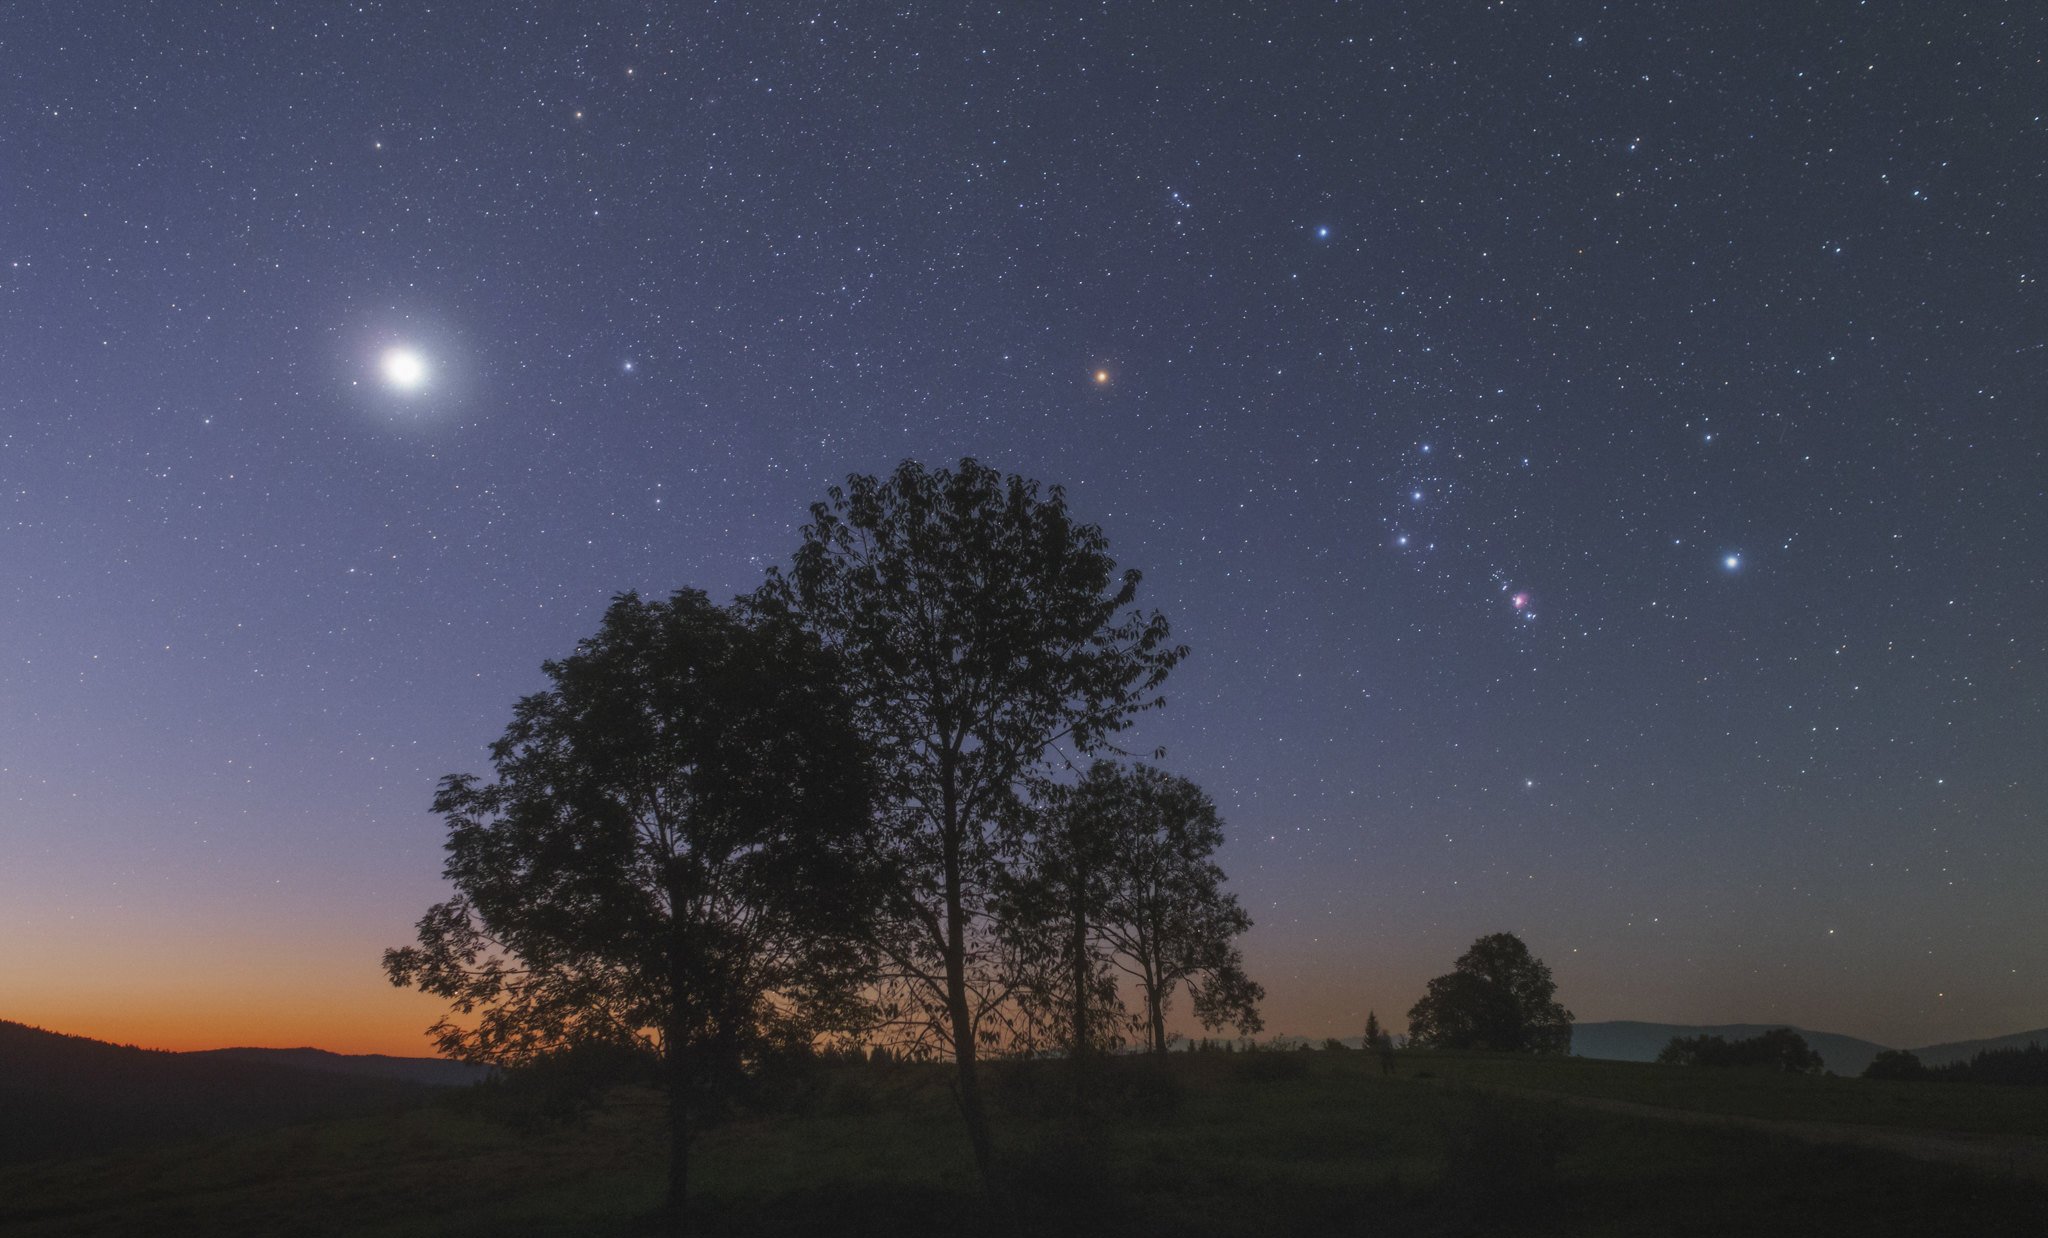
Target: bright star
x=1102 y=378
x=403 y=368
x=1732 y=562
x=1323 y=233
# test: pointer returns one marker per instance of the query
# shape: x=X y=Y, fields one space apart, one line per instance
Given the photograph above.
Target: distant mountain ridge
x=433 y=1072
x=71 y=1095
x=1625 y=1040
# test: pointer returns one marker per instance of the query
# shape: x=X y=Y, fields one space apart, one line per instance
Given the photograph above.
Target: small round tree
x=1497 y=996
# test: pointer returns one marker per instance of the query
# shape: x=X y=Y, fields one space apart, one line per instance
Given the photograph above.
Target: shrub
x=1895 y=1064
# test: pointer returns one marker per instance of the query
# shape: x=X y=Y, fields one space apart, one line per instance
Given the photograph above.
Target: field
x=1213 y=1144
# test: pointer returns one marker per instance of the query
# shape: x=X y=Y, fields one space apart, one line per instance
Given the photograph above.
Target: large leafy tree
x=669 y=856
x=1162 y=914
x=1497 y=996
x=984 y=629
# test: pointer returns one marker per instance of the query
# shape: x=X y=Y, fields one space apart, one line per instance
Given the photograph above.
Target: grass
x=1970 y=1108
x=1222 y=1145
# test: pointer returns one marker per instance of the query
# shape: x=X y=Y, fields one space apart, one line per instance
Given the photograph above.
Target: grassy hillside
x=68 y=1095
x=1966 y=1108
x=1300 y=1144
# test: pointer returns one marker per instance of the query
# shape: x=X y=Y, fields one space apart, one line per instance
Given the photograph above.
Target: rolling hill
x=71 y=1095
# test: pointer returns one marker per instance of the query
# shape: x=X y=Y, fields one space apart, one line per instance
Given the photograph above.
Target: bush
x=559 y=1088
x=1895 y=1064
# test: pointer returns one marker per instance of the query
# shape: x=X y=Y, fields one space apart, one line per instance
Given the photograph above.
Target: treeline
x=877 y=803
x=2026 y=1067
x=1780 y=1049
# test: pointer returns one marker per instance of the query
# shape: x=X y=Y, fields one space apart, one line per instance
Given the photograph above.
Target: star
x=1732 y=562
x=1102 y=378
x=403 y=368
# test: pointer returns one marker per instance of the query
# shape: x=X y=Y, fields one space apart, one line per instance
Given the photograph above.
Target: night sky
x=1594 y=452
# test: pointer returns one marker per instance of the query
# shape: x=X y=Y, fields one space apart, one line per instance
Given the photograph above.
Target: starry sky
x=1595 y=453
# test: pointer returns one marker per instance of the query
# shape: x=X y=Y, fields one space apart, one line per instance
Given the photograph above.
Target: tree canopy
x=670 y=856
x=980 y=626
x=1163 y=914
x=1497 y=996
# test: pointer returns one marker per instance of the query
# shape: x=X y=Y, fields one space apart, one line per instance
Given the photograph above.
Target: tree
x=1896 y=1064
x=1778 y=1049
x=1050 y=906
x=668 y=857
x=1378 y=1042
x=980 y=625
x=1163 y=914
x=1497 y=996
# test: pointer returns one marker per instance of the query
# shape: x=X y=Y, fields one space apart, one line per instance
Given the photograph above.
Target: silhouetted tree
x=667 y=857
x=1051 y=908
x=1498 y=996
x=1895 y=1064
x=1778 y=1049
x=1378 y=1042
x=1162 y=916
x=981 y=626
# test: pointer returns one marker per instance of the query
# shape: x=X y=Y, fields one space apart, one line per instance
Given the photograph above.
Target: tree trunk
x=676 y=1208
x=957 y=1011
x=676 y=1060
x=1080 y=948
x=1158 y=1022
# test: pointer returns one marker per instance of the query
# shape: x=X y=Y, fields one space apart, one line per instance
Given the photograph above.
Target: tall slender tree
x=1165 y=918
x=670 y=856
x=1061 y=852
x=981 y=626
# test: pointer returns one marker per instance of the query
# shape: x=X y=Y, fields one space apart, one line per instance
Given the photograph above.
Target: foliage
x=1778 y=1049
x=1895 y=1064
x=669 y=856
x=562 y=1086
x=1160 y=913
x=2028 y=1066
x=983 y=629
x=1498 y=996
x=1376 y=1038
x=1115 y=878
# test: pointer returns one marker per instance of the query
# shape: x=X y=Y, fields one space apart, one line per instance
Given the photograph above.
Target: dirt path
x=2005 y=1155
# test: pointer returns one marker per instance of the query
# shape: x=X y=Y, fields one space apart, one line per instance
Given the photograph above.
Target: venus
x=404 y=369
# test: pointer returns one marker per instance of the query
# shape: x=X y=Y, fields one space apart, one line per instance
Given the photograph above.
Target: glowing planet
x=403 y=368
